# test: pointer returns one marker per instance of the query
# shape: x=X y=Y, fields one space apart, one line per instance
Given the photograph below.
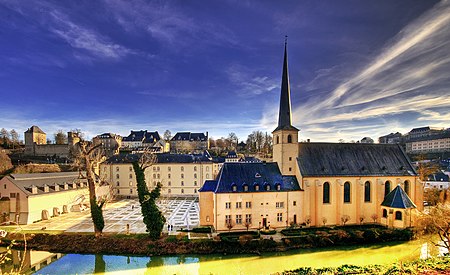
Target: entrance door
x=264 y=224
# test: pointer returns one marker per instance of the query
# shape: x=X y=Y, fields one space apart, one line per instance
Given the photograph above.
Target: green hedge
x=234 y=236
x=268 y=232
x=428 y=266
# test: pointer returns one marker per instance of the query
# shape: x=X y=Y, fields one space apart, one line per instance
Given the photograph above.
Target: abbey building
x=313 y=183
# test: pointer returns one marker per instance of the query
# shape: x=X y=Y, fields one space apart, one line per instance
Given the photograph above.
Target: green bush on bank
x=426 y=266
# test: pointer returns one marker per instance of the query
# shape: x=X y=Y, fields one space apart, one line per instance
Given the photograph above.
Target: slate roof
x=444 y=134
x=439 y=176
x=34 y=129
x=161 y=158
x=25 y=181
x=142 y=135
x=240 y=174
x=190 y=136
x=353 y=159
x=398 y=198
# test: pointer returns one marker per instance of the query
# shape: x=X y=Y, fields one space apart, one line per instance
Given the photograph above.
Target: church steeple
x=284 y=116
x=285 y=136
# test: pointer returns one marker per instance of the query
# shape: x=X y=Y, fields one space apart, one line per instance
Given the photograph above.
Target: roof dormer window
x=257 y=175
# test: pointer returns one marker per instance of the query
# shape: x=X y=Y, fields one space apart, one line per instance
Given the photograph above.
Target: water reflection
x=217 y=264
x=28 y=261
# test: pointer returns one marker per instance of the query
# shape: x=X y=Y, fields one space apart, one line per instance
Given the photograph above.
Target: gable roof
x=142 y=136
x=398 y=198
x=240 y=174
x=162 y=158
x=190 y=136
x=25 y=181
x=353 y=159
x=34 y=129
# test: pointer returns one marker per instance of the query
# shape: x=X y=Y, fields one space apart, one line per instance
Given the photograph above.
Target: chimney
x=74 y=185
x=56 y=187
x=46 y=189
x=66 y=186
x=34 y=189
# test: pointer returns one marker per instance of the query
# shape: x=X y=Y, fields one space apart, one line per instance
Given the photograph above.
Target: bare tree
x=4 y=135
x=87 y=157
x=167 y=135
x=60 y=137
x=14 y=137
x=233 y=140
x=437 y=220
x=374 y=217
x=345 y=219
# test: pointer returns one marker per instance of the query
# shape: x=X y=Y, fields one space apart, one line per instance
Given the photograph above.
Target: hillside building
x=191 y=143
x=36 y=144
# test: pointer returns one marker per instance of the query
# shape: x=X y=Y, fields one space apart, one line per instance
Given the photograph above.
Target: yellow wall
x=31 y=207
x=184 y=179
x=284 y=153
x=38 y=203
x=263 y=205
x=357 y=207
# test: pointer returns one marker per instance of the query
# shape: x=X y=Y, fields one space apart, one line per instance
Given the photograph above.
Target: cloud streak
x=410 y=74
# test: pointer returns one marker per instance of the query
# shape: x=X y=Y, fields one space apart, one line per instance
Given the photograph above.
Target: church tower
x=285 y=136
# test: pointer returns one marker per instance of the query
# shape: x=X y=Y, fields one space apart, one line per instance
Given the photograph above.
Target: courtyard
x=180 y=212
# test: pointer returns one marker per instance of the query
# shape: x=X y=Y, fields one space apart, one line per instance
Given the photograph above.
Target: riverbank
x=431 y=266
x=241 y=243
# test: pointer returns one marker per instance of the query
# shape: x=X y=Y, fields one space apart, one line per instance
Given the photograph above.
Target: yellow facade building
x=180 y=175
x=26 y=198
x=335 y=183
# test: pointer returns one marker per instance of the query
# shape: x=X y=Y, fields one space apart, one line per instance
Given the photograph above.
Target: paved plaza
x=180 y=212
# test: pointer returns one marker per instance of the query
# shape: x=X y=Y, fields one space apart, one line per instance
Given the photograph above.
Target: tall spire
x=284 y=116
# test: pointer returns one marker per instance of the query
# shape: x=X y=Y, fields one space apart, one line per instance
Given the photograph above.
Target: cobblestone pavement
x=180 y=212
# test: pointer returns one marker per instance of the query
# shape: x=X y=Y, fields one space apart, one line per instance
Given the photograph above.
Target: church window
x=347 y=191
x=278 y=139
x=384 y=213
x=367 y=191
x=398 y=215
x=289 y=139
x=407 y=187
x=326 y=192
x=117 y=169
x=387 y=188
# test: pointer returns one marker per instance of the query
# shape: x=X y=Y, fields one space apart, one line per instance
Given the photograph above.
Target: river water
x=50 y=263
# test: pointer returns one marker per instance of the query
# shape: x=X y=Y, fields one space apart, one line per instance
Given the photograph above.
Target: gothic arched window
x=407 y=187
x=367 y=191
x=289 y=139
x=347 y=191
x=326 y=192
x=387 y=188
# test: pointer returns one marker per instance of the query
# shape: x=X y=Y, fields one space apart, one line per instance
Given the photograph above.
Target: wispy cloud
x=409 y=75
x=88 y=44
x=86 y=39
x=168 y=24
x=250 y=83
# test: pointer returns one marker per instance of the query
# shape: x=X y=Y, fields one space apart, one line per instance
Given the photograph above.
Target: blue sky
x=357 y=68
